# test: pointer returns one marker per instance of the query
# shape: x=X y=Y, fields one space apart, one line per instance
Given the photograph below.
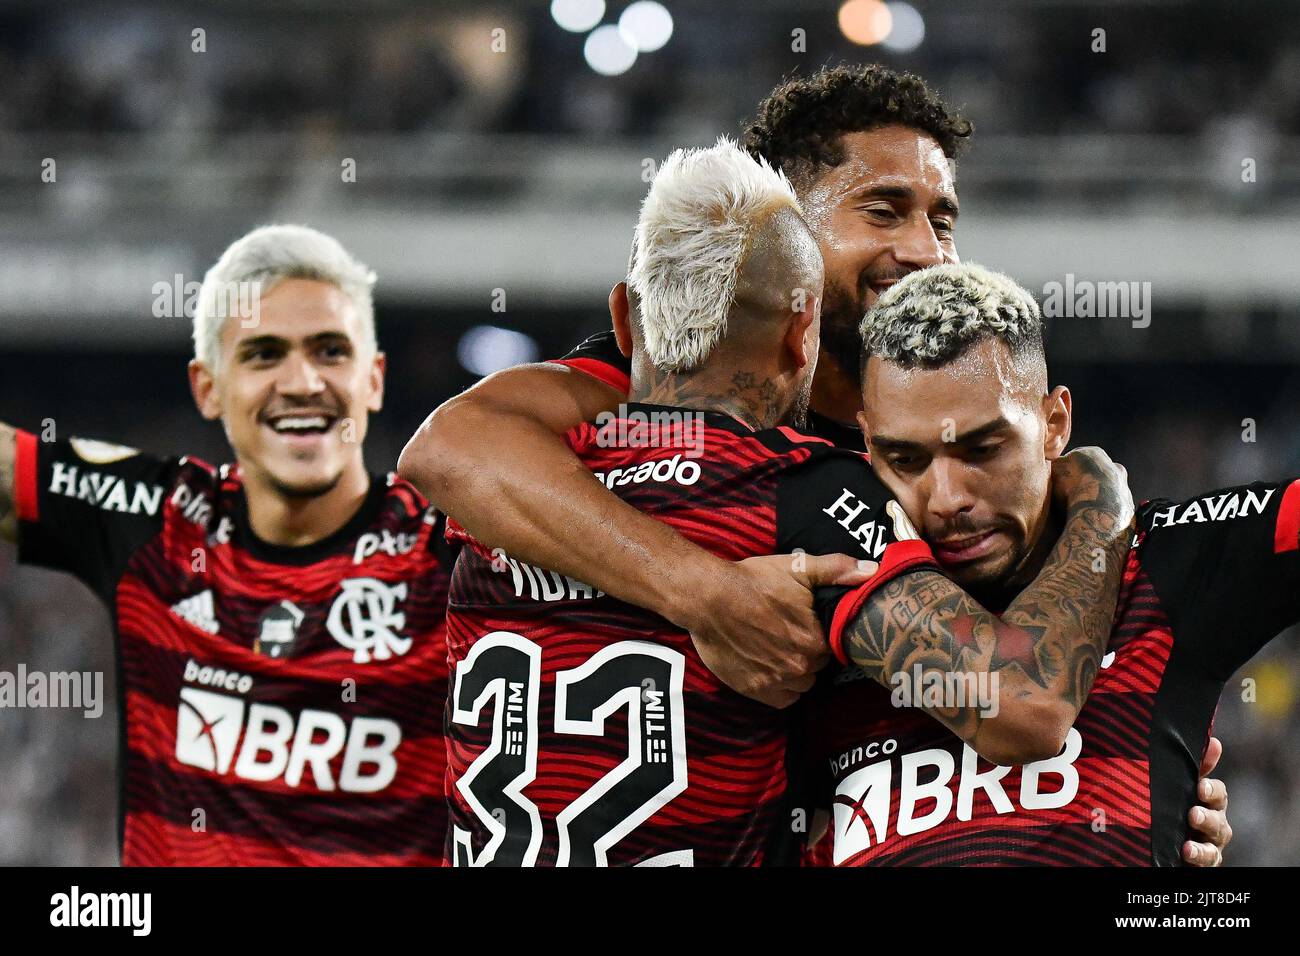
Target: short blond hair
x=267 y=256
x=696 y=224
x=932 y=316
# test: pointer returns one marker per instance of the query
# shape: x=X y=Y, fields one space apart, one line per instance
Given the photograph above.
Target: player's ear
x=620 y=316
x=864 y=426
x=802 y=334
x=203 y=386
x=377 y=369
x=1057 y=413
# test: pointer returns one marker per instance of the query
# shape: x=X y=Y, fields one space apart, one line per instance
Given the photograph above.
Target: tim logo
x=365 y=620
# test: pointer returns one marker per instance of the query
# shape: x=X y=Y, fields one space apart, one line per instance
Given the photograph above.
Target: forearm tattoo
x=1050 y=641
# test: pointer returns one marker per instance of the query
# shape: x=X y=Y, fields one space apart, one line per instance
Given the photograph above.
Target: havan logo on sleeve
x=854 y=515
x=1224 y=507
x=106 y=492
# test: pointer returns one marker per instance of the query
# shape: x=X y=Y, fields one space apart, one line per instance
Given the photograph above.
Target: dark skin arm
x=494 y=458
x=456 y=460
x=1213 y=824
x=1044 y=651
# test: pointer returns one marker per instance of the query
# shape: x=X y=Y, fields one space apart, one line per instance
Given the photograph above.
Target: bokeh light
x=908 y=29
x=485 y=349
x=646 y=25
x=607 y=52
x=865 y=22
x=577 y=16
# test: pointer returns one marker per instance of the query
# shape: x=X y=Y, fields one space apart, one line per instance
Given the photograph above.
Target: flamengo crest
x=364 y=619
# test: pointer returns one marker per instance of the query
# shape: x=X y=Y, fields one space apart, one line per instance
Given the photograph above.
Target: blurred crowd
x=1017 y=68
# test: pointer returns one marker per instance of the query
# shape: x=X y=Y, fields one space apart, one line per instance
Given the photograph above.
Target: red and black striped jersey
x=1208 y=582
x=279 y=705
x=584 y=730
x=599 y=356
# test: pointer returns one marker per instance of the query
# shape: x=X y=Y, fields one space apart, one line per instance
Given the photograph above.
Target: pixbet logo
x=393 y=545
x=275 y=744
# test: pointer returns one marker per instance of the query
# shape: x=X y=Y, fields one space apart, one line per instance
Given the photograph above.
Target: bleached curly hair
x=932 y=316
x=693 y=234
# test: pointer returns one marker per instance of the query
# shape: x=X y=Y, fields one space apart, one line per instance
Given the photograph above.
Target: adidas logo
x=198 y=610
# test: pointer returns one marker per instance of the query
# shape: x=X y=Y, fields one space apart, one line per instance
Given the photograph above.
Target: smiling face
x=294 y=392
x=889 y=209
x=967 y=449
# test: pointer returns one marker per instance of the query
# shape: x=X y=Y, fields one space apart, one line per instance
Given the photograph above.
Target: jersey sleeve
x=599 y=356
x=1227 y=567
x=85 y=506
x=834 y=503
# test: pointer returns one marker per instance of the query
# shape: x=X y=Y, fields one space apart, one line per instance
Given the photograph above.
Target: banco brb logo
x=365 y=619
x=207 y=729
x=864 y=803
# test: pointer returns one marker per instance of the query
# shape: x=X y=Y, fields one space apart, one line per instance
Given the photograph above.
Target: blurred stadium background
x=497 y=176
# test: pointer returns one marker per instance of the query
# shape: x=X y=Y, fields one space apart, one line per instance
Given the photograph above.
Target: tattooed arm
x=1042 y=655
x=8 y=459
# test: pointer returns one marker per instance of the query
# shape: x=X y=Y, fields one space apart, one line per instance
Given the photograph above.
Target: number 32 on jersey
x=641 y=678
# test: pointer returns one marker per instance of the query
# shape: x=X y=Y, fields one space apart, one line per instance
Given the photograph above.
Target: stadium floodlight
x=607 y=52
x=646 y=25
x=577 y=16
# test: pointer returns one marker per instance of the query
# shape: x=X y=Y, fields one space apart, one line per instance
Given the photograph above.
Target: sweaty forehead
x=916 y=404
x=886 y=156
